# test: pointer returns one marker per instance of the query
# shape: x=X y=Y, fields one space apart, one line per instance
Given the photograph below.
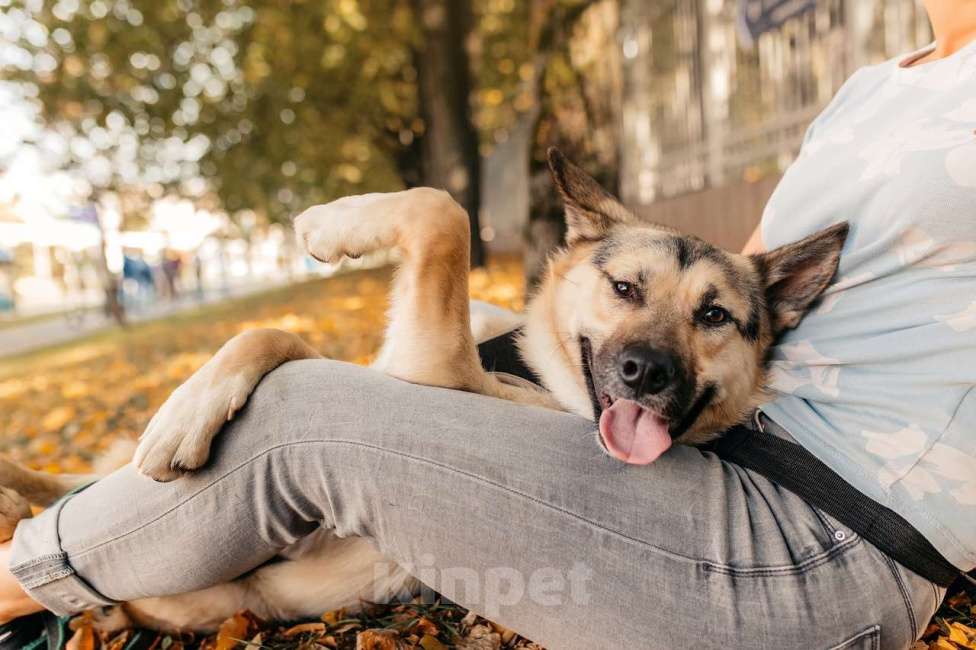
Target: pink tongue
x=632 y=433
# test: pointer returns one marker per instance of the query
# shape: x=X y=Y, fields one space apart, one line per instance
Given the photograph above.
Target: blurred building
x=53 y=263
x=713 y=113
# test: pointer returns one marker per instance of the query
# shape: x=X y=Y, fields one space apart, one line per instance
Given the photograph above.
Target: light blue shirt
x=878 y=379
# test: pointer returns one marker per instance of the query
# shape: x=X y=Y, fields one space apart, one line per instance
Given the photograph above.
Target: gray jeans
x=566 y=545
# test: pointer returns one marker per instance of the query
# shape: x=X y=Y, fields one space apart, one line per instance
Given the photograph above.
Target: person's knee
x=297 y=385
x=307 y=398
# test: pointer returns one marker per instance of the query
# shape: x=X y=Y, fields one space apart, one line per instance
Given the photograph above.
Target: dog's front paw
x=178 y=437
x=353 y=225
x=325 y=231
x=13 y=508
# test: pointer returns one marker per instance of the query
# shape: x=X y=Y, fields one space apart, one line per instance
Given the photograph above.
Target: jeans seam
x=39 y=560
x=709 y=565
x=46 y=578
x=355 y=443
x=798 y=568
x=905 y=596
x=872 y=632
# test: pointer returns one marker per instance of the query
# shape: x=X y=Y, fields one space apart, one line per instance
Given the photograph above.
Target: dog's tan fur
x=430 y=341
x=580 y=302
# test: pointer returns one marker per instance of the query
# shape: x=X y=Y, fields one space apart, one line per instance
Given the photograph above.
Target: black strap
x=501 y=354
x=789 y=465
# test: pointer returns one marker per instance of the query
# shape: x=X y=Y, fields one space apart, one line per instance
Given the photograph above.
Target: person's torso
x=878 y=378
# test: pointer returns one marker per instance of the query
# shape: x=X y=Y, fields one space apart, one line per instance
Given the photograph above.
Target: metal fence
x=702 y=108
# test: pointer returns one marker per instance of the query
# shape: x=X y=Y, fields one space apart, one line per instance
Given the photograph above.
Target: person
x=572 y=548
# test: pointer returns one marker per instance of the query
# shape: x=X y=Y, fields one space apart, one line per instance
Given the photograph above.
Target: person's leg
x=511 y=510
x=14 y=601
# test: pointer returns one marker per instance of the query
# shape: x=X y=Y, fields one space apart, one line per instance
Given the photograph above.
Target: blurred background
x=152 y=152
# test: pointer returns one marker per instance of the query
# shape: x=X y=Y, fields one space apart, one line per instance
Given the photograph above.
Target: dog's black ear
x=590 y=210
x=796 y=274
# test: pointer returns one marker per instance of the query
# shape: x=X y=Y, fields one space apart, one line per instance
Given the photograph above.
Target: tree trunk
x=450 y=157
x=551 y=29
x=110 y=281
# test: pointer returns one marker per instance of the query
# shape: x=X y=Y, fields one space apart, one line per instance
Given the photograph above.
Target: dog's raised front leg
x=179 y=435
x=428 y=339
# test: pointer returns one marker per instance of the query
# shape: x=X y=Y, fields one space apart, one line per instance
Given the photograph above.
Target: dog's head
x=666 y=334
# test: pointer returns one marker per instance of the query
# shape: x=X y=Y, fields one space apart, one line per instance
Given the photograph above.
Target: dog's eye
x=715 y=316
x=625 y=290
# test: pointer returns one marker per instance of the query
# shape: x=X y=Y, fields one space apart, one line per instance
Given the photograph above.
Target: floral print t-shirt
x=878 y=379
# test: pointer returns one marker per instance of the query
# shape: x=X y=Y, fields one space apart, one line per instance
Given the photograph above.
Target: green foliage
x=263 y=106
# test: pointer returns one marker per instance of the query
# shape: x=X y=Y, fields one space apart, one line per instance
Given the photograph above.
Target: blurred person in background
x=170 y=267
x=139 y=283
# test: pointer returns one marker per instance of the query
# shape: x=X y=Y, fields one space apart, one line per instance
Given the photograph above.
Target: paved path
x=61 y=328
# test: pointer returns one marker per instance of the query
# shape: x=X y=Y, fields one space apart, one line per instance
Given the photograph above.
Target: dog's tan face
x=670 y=334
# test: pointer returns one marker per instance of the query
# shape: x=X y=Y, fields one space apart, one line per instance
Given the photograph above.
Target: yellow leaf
x=74 y=390
x=942 y=644
x=431 y=643
x=333 y=617
x=57 y=418
x=956 y=635
x=46 y=447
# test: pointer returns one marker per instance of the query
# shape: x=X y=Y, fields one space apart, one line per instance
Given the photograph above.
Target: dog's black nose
x=647 y=370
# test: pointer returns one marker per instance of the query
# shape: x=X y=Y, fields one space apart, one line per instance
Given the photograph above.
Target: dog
x=659 y=337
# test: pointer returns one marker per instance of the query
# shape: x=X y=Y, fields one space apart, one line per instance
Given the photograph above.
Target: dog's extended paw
x=13 y=508
x=342 y=228
x=178 y=437
x=356 y=225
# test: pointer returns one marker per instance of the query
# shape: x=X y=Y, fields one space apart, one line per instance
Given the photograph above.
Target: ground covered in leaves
x=59 y=408
x=439 y=626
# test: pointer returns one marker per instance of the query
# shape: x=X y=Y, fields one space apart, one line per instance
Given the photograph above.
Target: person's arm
x=755 y=244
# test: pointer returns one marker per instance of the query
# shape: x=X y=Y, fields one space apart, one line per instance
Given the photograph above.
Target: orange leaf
x=234 y=630
x=431 y=643
x=333 y=617
x=422 y=626
x=82 y=639
x=377 y=640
